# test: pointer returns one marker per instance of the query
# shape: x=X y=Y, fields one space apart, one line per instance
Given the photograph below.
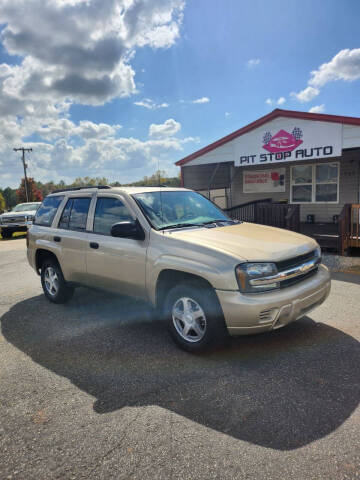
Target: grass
x=14 y=236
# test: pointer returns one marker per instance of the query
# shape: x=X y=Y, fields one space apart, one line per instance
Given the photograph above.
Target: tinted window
x=109 y=211
x=79 y=213
x=65 y=216
x=75 y=214
x=46 y=213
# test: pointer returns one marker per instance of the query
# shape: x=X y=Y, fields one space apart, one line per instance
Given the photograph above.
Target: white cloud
x=253 y=62
x=227 y=114
x=306 y=95
x=77 y=51
x=117 y=158
x=272 y=101
x=345 y=65
x=201 y=100
x=317 y=109
x=168 y=128
x=150 y=104
x=83 y=49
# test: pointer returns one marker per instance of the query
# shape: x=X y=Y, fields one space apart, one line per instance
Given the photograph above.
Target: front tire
x=5 y=233
x=194 y=316
x=53 y=283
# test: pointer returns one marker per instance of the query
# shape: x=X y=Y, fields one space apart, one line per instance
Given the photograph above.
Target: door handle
x=94 y=245
x=57 y=239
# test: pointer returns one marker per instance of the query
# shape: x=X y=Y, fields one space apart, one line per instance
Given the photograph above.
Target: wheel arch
x=169 y=278
x=40 y=256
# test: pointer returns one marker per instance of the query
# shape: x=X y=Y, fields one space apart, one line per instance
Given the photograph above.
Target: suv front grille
x=300 y=278
x=13 y=219
x=295 y=262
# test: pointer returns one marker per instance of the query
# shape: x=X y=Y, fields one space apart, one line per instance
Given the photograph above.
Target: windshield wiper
x=204 y=224
x=219 y=221
x=181 y=225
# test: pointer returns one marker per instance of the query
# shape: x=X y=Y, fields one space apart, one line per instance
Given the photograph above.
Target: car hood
x=18 y=214
x=249 y=241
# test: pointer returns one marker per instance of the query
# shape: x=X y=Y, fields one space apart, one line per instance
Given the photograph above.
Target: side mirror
x=128 y=229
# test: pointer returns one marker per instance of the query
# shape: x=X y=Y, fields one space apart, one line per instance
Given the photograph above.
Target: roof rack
x=70 y=189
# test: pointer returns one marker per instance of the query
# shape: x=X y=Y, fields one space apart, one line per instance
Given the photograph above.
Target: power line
x=23 y=150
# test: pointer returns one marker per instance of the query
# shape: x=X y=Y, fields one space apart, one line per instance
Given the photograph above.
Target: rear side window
x=47 y=210
x=74 y=215
x=109 y=211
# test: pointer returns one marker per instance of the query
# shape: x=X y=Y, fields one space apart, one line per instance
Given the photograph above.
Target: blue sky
x=109 y=103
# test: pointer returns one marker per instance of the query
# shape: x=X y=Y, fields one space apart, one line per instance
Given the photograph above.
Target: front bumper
x=14 y=226
x=247 y=314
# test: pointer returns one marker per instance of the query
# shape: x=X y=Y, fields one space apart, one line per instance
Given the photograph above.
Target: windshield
x=167 y=209
x=26 y=207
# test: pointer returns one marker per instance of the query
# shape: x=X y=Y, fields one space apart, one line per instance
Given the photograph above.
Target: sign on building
x=270 y=180
x=287 y=140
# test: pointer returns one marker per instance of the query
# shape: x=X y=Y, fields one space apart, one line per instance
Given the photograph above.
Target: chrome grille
x=13 y=219
x=295 y=262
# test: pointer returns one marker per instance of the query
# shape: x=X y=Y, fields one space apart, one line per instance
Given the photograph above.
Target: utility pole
x=23 y=150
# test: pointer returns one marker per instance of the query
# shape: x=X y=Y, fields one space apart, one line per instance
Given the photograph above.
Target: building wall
x=349 y=185
x=203 y=177
x=226 y=152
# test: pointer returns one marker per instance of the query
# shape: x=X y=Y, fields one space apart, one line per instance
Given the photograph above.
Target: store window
x=318 y=183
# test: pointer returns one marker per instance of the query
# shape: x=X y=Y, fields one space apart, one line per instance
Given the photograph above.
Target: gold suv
x=207 y=274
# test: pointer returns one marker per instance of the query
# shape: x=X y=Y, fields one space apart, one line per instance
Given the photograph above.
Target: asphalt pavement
x=96 y=389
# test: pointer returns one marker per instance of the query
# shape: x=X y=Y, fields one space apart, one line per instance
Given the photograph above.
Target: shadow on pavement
x=346 y=277
x=280 y=390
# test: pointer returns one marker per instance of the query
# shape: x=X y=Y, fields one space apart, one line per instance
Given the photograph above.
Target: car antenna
x=161 y=204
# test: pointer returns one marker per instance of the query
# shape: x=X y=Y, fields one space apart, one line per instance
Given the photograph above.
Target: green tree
x=10 y=197
x=2 y=203
x=158 y=178
x=89 y=182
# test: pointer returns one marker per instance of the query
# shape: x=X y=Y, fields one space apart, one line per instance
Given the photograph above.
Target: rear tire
x=194 y=316
x=6 y=233
x=53 y=283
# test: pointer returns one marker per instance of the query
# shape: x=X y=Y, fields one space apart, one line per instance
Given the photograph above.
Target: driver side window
x=108 y=211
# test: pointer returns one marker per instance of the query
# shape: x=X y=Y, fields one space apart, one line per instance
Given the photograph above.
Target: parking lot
x=96 y=389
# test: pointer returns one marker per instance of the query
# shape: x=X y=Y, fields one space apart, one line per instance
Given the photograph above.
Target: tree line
x=9 y=197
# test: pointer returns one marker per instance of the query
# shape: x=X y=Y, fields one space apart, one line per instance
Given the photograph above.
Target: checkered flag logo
x=297 y=133
x=267 y=137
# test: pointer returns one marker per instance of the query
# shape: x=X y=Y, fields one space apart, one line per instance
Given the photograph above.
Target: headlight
x=318 y=252
x=246 y=272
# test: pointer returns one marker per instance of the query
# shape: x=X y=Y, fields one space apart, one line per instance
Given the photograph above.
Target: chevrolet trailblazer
x=208 y=274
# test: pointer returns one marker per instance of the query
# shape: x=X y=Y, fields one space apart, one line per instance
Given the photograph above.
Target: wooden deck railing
x=246 y=212
x=344 y=228
x=265 y=212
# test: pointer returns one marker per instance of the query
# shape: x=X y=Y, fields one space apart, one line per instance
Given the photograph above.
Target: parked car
x=207 y=274
x=18 y=219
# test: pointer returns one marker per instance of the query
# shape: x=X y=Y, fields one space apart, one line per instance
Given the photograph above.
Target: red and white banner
x=259 y=181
